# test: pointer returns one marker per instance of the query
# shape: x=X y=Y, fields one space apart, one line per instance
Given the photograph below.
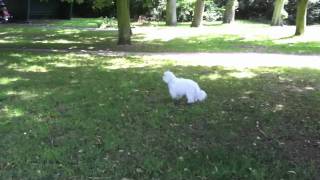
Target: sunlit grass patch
x=6 y=80
x=7 y=112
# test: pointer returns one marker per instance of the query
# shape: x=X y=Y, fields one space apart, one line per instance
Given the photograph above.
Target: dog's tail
x=202 y=95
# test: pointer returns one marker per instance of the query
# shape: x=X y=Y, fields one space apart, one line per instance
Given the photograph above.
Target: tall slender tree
x=123 y=17
x=171 y=13
x=301 y=19
x=230 y=11
x=277 y=18
x=198 y=13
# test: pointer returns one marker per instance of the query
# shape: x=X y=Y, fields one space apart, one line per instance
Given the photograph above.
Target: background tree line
x=154 y=9
x=260 y=10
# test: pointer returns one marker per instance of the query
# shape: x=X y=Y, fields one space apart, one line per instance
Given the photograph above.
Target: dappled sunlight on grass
x=8 y=112
x=134 y=62
x=24 y=95
x=241 y=60
x=213 y=77
x=58 y=41
x=95 y=114
x=46 y=37
x=234 y=37
x=247 y=32
x=113 y=116
x=8 y=41
x=8 y=80
x=238 y=73
x=31 y=68
x=238 y=37
x=18 y=55
x=68 y=31
x=243 y=74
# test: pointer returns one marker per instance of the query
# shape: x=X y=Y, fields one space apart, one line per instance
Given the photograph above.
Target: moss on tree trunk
x=301 y=19
x=198 y=13
x=124 y=29
x=171 y=13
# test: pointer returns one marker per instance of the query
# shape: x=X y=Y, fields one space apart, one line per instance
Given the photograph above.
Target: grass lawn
x=243 y=36
x=80 y=116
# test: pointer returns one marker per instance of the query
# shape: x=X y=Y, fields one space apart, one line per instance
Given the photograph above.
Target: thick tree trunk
x=198 y=13
x=124 y=29
x=171 y=13
x=229 y=14
x=301 y=19
x=277 y=13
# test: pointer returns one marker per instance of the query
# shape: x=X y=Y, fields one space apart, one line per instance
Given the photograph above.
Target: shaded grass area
x=242 y=37
x=83 y=116
x=74 y=22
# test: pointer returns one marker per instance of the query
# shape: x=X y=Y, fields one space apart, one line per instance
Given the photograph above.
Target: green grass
x=81 y=116
x=74 y=23
x=243 y=36
x=78 y=115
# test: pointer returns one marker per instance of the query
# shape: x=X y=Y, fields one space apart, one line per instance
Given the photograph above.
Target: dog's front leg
x=173 y=94
x=191 y=99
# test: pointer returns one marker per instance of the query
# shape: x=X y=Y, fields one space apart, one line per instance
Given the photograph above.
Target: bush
x=255 y=9
x=212 y=12
x=185 y=10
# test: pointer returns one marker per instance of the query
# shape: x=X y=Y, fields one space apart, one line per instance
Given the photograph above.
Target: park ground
x=74 y=105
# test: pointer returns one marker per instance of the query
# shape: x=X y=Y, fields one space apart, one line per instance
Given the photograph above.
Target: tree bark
x=229 y=14
x=198 y=13
x=124 y=29
x=171 y=13
x=301 y=19
x=277 y=13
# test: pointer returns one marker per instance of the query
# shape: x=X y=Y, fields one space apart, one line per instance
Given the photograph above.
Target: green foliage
x=212 y=12
x=185 y=10
x=155 y=9
x=99 y=4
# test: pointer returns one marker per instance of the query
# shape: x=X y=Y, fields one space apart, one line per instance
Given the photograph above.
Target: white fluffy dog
x=179 y=87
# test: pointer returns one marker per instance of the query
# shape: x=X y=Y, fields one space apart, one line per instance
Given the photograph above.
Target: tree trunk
x=171 y=13
x=124 y=29
x=229 y=14
x=277 y=13
x=301 y=19
x=198 y=13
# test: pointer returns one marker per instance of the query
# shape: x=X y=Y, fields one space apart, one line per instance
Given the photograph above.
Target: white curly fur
x=179 y=87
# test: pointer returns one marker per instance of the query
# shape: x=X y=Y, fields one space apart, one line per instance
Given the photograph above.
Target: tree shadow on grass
x=84 y=116
x=20 y=37
x=59 y=38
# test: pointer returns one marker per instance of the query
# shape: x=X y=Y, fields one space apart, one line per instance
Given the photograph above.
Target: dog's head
x=168 y=76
